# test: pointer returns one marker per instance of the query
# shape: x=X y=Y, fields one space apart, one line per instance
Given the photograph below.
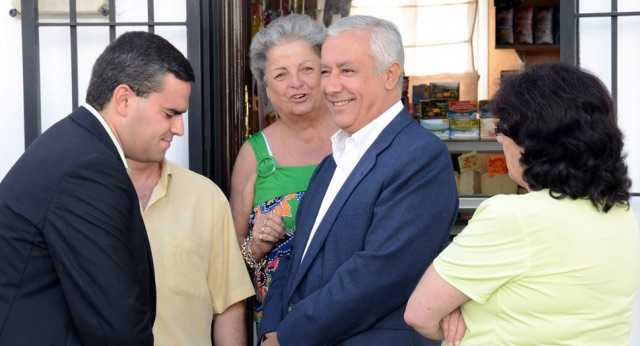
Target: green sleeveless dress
x=277 y=189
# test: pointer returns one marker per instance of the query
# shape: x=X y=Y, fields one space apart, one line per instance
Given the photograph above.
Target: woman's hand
x=433 y=301
x=267 y=230
x=453 y=327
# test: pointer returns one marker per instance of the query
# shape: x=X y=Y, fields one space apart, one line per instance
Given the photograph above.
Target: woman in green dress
x=274 y=166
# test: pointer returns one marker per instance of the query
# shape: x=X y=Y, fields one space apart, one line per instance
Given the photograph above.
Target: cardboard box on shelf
x=469 y=183
x=488 y=129
x=445 y=91
x=439 y=127
x=462 y=109
x=497 y=184
x=464 y=129
x=434 y=117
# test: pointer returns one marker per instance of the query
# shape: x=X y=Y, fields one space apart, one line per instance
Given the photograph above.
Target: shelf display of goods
x=483 y=175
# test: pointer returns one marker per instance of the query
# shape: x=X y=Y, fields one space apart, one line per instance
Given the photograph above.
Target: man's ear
x=122 y=99
x=392 y=73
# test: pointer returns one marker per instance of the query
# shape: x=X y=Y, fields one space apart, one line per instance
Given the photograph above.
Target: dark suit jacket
x=386 y=225
x=75 y=262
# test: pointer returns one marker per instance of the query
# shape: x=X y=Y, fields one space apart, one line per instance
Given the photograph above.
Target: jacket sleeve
x=410 y=223
x=87 y=229
x=273 y=306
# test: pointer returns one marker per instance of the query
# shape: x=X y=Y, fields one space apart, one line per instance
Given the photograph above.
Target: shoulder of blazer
x=327 y=163
x=399 y=122
x=88 y=121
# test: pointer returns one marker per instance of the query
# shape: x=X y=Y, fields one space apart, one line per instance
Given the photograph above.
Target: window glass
x=170 y=10
x=55 y=75
x=131 y=11
x=628 y=5
x=591 y=6
x=628 y=77
x=595 y=47
x=91 y=42
x=179 y=150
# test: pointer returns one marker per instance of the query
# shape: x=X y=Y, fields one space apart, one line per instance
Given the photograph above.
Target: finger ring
x=261 y=230
x=260 y=238
x=264 y=223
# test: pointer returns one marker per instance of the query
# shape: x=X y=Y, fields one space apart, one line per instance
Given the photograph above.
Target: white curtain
x=437 y=34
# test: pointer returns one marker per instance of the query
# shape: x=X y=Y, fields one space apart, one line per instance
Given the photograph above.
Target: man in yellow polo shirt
x=200 y=274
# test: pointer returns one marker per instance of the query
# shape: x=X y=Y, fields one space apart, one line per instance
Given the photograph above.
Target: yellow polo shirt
x=198 y=266
x=541 y=271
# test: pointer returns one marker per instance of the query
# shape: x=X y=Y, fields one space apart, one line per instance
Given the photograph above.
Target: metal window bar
x=614 y=51
x=31 y=62
x=569 y=41
x=569 y=17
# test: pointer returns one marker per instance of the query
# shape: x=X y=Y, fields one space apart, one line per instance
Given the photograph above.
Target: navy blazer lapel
x=365 y=164
x=86 y=119
x=316 y=192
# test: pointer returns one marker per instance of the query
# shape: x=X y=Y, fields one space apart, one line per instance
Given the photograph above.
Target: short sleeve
x=491 y=251
x=228 y=278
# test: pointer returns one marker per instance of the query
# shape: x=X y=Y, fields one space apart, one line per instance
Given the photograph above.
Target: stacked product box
x=487 y=121
x=434 y=117
x=463 y=120
x=418 y=93
x=445 y=91
x=433 y=109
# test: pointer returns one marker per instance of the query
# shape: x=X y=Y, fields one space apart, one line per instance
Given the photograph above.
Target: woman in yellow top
x=561 y=264
x=274 y=166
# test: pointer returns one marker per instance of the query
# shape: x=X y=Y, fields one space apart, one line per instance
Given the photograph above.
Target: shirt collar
x=161 y=188
x=364 y=137
x=108 y=129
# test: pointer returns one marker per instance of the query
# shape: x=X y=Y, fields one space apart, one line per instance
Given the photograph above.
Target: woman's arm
x=271 y=227
x=432 y=301
x=243 y=179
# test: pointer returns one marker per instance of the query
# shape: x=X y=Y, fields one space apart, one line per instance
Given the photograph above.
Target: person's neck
x=110 y=118
x=310 y=125
x=145 y=177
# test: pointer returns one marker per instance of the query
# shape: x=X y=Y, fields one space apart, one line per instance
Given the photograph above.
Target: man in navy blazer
x=75 y=263
x=376 y=212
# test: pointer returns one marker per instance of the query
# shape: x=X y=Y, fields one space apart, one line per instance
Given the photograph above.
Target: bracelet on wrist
x=247 y=254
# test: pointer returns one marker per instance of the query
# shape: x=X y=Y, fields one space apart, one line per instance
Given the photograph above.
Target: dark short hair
x=566 y=121
x=138 y=59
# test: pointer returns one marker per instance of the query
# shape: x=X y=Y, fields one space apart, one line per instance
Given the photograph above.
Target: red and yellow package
x=497 y=164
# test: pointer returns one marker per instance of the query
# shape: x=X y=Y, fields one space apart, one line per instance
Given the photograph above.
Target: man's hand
x=453 y=327
x=270 y=339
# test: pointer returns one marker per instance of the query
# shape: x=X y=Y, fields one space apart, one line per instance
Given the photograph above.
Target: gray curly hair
x=280 y=31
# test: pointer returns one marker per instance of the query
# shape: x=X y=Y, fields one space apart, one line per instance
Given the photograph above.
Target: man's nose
x=177 y=125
